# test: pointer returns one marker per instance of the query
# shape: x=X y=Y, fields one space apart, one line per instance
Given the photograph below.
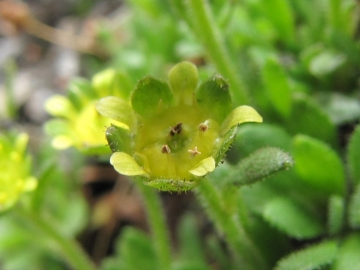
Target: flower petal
x=151 y=95
x=213 y=97
x=60 y=106
x=183 y=79
x=203 y=167
x=125 y=164
x=238 y=116
x=117 y=109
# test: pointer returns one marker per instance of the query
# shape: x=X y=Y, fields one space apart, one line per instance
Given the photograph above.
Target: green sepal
x=150 y=96
x=113 y=83
x=228 y=141
x=172 y=185
x=118 y=139
x=117 y=109
x=80 y=93
x=213 y=97
x=183 y=79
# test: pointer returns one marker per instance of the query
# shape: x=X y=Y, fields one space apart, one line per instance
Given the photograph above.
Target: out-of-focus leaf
x=326 y=62
x=277 y=86
x=318 y=165
x=288 y=217
x=336 y=214
x=353 y=155
x=311 y=258
x=354 y=209
x=348 y=256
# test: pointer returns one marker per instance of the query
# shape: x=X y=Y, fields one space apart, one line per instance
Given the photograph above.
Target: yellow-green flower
x=15 y=175
x=175 y=132
x=77 y=122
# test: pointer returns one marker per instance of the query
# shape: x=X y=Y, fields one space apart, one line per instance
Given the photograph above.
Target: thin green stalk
x=69 y=248
x=243 y=248
x=158 y=226
x=213 y=42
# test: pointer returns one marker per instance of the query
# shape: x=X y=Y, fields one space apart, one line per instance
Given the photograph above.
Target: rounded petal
x=239 y=115
x=117 y=109
x=203 y=167
x=150 y=96
x=125 y=164
x=183 y=79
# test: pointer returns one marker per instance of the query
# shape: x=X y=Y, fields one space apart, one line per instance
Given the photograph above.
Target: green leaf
x=151 y=96
x=291 y=219
x=354 y=209
x=251 y=137
x=326 y=62
x=136 y=251
x=318 y=165
x=336 y=214
x=353 y=155
x=118 y=139
x=125 y=164
x=116 y=109
x=110 y=82
x=348 y=256
x=280 y=14
x=308 y=118
x=259 y=165
x=183 y=79
x=311 y=258
x=239 y=115
x=213 y=97
x=277 y=86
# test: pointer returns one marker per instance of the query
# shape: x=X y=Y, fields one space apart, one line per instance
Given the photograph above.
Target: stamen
x=203 y=127
x=176 y=129
x=165 y=149
x=194 y=152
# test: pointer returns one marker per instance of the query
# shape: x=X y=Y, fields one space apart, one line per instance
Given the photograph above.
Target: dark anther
x=176 y=129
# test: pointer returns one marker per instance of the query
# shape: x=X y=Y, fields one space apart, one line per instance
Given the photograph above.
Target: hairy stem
x=245 y=251
x=209 y=35
x=157 y=224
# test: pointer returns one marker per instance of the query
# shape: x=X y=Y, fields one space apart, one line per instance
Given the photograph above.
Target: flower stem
x=245 y=251
x=69 y=248
x=157 y=224
x=209 y=34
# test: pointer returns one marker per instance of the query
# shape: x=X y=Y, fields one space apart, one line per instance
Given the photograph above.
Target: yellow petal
x=239 y=115
x=60 y=106
x=62 y=142
x=203 y=167
x=125 y=164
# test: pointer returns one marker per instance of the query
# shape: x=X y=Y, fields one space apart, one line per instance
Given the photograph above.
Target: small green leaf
x=183 y=79
x=238 y=116
x=353 y=155
x=118 y=139
x=259 y=165
x=213 y=97
x=125 y=164
x=348 y=256
x=117 y=109
x=336 y=213
x=354 y=209
x=326 y=62
x=150 y=96
x=318 y=165
x=291 y=219
x=307 y=117
x=112 y=83
x=203 y=167
x=277 y=86
x=311 y=258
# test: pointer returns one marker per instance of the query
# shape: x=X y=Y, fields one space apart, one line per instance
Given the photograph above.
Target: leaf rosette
x=174 y=132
